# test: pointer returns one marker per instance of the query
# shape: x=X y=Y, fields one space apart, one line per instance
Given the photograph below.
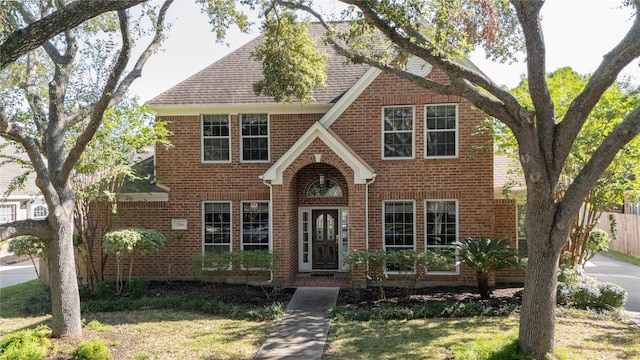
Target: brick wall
x=467 y=179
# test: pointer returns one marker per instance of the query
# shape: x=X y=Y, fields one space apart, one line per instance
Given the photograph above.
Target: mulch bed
x=255 y=296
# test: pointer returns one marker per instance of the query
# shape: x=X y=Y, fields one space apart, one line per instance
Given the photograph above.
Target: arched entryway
x=323 y=218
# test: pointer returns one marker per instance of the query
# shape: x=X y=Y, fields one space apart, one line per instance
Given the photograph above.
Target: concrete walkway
x=302 y=331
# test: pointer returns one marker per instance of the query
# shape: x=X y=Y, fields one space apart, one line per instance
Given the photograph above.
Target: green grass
x=178 y=334
x=624 y=257
x=579 y=337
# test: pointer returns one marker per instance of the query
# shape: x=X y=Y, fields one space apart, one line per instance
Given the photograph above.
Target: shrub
x=106 y=290
x=485 y=256
x=131 y=242
x=137 y=287
x=591 y=293
x=37 y=302
x=28 y=344
x=30 y=246
x=95 y=349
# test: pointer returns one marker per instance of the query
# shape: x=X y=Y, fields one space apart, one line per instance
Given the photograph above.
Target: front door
x=325 y=239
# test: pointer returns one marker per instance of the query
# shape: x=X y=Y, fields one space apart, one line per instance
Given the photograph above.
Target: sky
x=577 y=33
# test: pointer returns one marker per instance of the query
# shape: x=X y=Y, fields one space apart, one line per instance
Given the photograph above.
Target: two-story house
x=375 y=162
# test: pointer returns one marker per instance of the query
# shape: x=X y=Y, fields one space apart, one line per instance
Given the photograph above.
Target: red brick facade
x=467 y=179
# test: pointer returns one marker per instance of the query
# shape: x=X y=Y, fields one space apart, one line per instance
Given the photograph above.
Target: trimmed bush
x=590 y=293
x=137 y=287
x=95 y=349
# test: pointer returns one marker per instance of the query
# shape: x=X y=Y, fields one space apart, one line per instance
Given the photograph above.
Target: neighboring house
x=22 y=202
x=375 y=162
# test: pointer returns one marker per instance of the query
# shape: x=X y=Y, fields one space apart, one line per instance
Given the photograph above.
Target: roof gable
x=361 y=171
x=230 y=80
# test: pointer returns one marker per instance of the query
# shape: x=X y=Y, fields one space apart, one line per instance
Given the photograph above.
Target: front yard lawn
x=148 y=333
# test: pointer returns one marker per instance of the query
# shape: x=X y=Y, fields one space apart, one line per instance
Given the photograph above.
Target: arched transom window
x=323 y=187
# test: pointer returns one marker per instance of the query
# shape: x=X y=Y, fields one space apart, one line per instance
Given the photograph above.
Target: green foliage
x=106 y=290
x=137 y=287
x=27 y=344
x=95 y=349
x=487 y=255
x=598 y=242
x=584 y=292
x=428 y=310
x=36 y=302
x=212 y=307
x=30 y=246
x=131 y=242
x=293 y=64
x=496 y=347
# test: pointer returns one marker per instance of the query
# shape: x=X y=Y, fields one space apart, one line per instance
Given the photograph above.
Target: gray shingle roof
x=11 y=170
x=230 y=79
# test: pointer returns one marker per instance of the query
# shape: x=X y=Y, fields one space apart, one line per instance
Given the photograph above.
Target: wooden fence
x=627 y=232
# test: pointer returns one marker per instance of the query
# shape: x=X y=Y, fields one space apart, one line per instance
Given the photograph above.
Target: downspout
x=366 y=217
x=270 y=222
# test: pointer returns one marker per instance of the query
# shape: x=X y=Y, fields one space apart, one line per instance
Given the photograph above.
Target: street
x=17 y=273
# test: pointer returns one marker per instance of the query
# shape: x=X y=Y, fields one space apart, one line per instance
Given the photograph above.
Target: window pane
x=7 y=213
x=398 y=225
x=397 y=138
x=217 y=227
x=255 y=137
x=441 y=127
x=215 y=133
x=255 y=226
x=441 y=223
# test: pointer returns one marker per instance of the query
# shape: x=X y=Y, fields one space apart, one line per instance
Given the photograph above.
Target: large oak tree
x=444 y=31
x=48 y=100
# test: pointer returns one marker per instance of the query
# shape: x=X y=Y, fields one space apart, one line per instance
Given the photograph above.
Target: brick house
x=375 y=162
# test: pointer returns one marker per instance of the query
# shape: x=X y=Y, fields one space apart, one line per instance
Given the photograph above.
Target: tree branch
x=624 y=132
x=38 y=228
x=37 y=33
x=102 y=104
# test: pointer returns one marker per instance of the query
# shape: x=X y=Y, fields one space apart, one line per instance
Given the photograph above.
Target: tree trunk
x=65 y=300
x=483 y=285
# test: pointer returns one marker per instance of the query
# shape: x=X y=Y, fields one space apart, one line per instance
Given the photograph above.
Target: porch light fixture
x=321 y=180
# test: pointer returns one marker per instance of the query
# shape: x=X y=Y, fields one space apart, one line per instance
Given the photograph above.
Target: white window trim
x=457 y=132
x=427 y=247
x=230 y=222
x=14 y=211
x=384 y=246
x=242 y=243
x=202 y=137
x=33 y=212
x=413 y=133
x=242 y=160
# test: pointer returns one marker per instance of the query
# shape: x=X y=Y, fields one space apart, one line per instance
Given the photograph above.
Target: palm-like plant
x=486 y=256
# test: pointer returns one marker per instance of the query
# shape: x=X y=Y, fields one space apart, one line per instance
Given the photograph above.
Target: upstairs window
x=255 y=137
x=40 y=212
x=7 y=213
x=215 y=138
x=441 y=126
x=397 y=132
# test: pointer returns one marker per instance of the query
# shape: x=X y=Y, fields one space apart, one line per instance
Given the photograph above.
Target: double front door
x=325 y=225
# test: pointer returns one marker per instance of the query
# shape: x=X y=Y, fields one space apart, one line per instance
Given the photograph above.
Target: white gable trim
x=361 y=172
x=349 y=96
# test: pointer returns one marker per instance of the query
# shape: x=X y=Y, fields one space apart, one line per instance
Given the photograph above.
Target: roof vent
x=418 y=67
